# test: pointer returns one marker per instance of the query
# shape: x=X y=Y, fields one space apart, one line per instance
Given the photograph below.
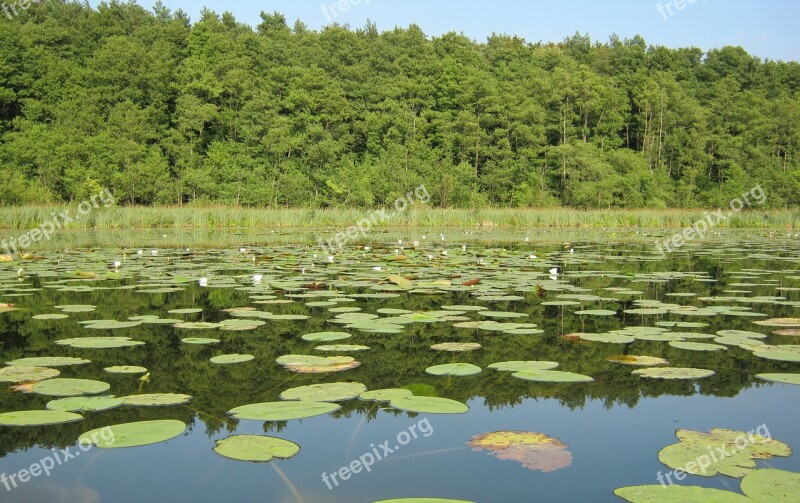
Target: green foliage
x=162 y=111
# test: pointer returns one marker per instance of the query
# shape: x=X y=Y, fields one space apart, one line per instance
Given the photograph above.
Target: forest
x=164 y=110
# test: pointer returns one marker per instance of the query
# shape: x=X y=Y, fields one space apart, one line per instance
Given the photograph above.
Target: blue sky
x=765 y=28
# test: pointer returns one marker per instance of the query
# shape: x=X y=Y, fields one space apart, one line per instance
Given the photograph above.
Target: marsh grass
x=210 y=217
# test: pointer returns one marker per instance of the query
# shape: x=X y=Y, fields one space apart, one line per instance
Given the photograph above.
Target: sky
x=765 y=28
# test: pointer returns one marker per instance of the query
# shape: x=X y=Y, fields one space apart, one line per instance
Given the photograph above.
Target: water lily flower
x=257 y=278
x=203 y=282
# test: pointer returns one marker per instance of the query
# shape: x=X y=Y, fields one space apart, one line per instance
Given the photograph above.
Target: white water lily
x=377 y=268
x=203 y=282
x=257 y=278
x=366 y=248
x=117 y=264
x=532 y=257
x=140 y=252
x=154 y=252
x=444 y=253
x=242 y=250
x=416 y=243
x=330 y=259
x=554 y=271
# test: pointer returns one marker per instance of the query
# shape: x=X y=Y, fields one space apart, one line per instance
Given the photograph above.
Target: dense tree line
x=165 y=111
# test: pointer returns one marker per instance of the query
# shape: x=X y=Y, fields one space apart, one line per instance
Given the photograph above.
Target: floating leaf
x=85 y=403
x=608 y=338
x=456 y=346
x=697 y=346
x=429 y=405
x=256 y=448
x=201 y=341
x=678 y=494
x=70 y=387
x=385 y=395
x=326 y=336
x=772 y=485
x=551 y=376
x=233 y=358
x=342 y=348
x=18 y=373
x=643 y=361
x=779 y=322
x=99 y=342
x=328 y=392
x=156 y=399
x=454 y=369
x=48 y=361
x=518 y=366
x=534 y=451
x=781 y=378
x=43 y=317
x=283 y=411
x=317 y=364
x=673 y=373
x=133 y=434
x=125 y=369
x=38 y=418
x=734 y=450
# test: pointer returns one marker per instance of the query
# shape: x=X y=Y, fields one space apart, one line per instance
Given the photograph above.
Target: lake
x=543 y=336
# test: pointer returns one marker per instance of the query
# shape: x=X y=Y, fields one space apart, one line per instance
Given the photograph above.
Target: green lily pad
x=255 y=448
x=200 y=341
x=113 y=325
x=781 y=378
x=196 y=325
x=551 y=376
x=283 y=411
x=125 y=369
x=772 y=485
x=777 y=355
x=327 y=392
x=678 y=494
x=326 y=336
x=740 y=450
x=643 y=361
x=133 y=434
x=519 y=366
x=156 y=399
x=18 y=373
x=48 y=361
x=385 y=395
x=456 y=346
x=454 y=369
x=342 y=348
x=697 y=346
x=673 y=373
x=43 y=317
x=188 y=310
x=85 y=403
x=233 y=358
x=99 y=342
x=596 y=312
x=38 y=418
x=69 y=387
x=429 y=405
x=306 y=364
x=608 y=338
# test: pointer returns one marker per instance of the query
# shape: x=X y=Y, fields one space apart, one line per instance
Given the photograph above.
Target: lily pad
x=456 y=346
x=133 y=434
x=156 y=399
x=386 y=395
x=306 y=364
x=126 y=369
x=772 y=485
x=18 y=373
x=697 y=346
x=326 y=336
x=643 y=361
x=69 y=387
x=673 y=373
x=678 y=494
x=255 y=448
x=233 y=358
x=781 y=378
x=534 y=451
x=520 y=366
x=38 y=418
x=283 y=411
x=200 y=341
x=85 y=403
x=342 y=348
x=99 y=342
x=429 y=405
x=48 y=361
x=551 y=376
x=735 y=460
x=454 y=369
x=327 y=392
